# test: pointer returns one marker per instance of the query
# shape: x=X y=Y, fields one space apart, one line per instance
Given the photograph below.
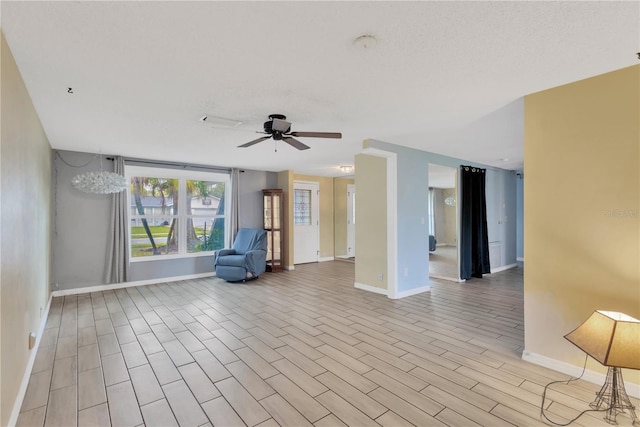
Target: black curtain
x=474 y=239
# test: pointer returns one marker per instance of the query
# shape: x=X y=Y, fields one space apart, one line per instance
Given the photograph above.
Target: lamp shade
x=611 y=338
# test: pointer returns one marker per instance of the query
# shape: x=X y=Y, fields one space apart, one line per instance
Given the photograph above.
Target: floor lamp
x=613 y=339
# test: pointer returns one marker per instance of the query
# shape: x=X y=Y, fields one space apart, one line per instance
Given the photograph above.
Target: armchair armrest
x=256 y=261
x=223 y=252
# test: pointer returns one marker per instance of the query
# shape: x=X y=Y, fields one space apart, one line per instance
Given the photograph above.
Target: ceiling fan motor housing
x=277 y=126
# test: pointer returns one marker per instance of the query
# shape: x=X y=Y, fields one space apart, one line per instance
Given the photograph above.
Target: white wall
x=520 y=215
x=25 y=212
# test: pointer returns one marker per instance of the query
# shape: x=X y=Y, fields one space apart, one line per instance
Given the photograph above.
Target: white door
x=305 y=222
x=351 y=220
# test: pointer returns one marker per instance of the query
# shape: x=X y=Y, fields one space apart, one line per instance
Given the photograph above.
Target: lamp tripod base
x=613 y=397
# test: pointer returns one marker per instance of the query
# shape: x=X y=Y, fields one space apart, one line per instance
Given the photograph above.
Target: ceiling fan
x=279 y=129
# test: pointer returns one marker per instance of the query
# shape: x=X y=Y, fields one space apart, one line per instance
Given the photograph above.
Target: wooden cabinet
x=272 y=219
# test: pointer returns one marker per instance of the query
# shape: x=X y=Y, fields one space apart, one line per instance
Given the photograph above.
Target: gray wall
x=82 y=224
x=26 y=210
x=413 y=181
x=501 y=213
x=250 y=196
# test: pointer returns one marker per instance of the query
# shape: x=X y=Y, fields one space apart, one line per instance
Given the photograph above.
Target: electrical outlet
x=380 y=276
x=32 y=340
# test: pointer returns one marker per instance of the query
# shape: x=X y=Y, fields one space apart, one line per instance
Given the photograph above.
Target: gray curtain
x=118 y=246
x=234 y=215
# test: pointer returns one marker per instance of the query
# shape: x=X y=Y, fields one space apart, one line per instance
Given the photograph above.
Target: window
x=176 y=213
x=302 y=207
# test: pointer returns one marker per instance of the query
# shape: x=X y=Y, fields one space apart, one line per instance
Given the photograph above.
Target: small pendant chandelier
x=100 y=182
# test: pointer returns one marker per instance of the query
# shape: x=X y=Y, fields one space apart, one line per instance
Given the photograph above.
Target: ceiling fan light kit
x=279 y=129
x=279 y=125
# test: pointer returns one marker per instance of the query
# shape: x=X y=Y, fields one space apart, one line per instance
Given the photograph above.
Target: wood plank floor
x=443 y=263
x=296 y=348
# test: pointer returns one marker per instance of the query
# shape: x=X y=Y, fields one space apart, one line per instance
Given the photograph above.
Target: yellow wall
x=371 y=220
x=581 y=198
x=326 y=211
x=450 y=218
x=340 y=215
x=25 y=209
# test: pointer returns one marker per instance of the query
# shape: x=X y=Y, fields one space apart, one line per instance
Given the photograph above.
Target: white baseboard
x=520 y=259
x=343 y=256
x=13 y=418
x=383 y=291
x=369 y=288
x=111 y=286
x=325 y=259
x=448 y=278
x=573 y=370
x=503 y=268
x=288 y=267
x=408 y=293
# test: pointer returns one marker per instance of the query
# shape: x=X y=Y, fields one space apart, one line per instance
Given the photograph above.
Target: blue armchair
x=246 y=260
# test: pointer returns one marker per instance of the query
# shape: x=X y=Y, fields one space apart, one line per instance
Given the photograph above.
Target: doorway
x=351 y=220
x=306 y=224
x=443 y=223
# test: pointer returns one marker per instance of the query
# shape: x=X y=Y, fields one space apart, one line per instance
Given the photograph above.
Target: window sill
x=170 y=257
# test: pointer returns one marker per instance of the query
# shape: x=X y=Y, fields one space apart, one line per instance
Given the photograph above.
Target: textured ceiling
x=446 y=77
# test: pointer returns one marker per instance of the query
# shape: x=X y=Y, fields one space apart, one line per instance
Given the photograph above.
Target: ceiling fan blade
x=294 y=143
x=255 y=141
x=317 y=134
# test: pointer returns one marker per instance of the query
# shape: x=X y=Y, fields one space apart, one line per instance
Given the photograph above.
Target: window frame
x=182 y=175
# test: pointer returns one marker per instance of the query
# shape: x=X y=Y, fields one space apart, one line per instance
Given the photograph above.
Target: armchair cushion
x=233 y=260
x=432 y=243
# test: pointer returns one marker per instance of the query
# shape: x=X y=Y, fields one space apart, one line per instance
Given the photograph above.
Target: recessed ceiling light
x=365 y=41
x=346 y=168
x=504 y=159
